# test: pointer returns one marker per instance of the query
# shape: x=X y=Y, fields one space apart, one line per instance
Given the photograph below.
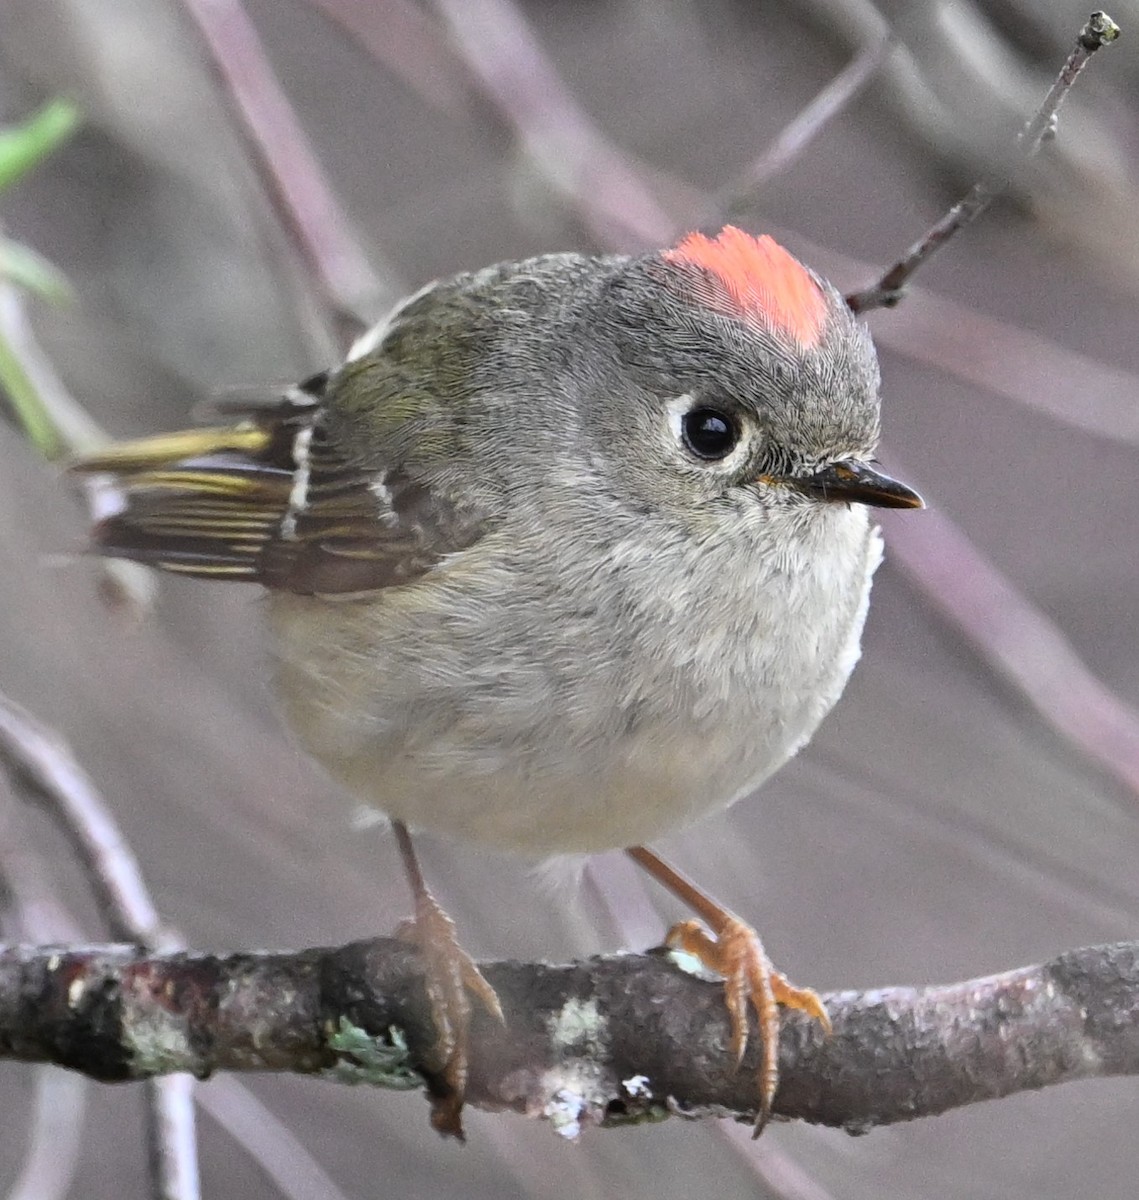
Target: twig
x=267 y=1140
x=73 y=430
x=302 y=197
x=39 y=757
x=1019 y=642
x=601 y=1042
x=42 y=760
x=56 y=1115
x=806 y=125
x=606 y=191
x=406 y=41
x=1100 y=31
x=56 y=1112
x=172 y=1139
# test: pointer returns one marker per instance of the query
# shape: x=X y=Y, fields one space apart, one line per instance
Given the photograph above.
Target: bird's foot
x=451 y=977
x=733 y=949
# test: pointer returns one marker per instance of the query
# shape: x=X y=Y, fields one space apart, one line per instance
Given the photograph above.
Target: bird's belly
x=572 y=800
x=515 y=773
x=509 y=747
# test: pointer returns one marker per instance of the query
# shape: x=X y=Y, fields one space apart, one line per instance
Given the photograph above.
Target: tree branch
x=606 y=1041
x=301 y=195
x=1099 y=31
x=41 y=760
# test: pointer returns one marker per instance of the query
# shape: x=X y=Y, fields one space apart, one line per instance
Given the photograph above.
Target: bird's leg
x=450 y=977
x=729 y=946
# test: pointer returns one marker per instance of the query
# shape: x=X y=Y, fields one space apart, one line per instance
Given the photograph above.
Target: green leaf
x=23 y=146
x=27 y=268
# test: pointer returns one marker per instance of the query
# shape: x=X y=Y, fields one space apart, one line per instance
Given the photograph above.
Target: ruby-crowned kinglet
x=567 y=554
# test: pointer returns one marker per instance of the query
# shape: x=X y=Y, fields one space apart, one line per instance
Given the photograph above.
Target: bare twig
x=74 y=431
x=576 y=159
x=171 y=1138
x=73 y=428
x=42 y=760
x=601 y=1042
x=267 y=1140
x=40 y=757
x=56 y=1113
x=1019 y=642
x=302 y=197
x=1100 y=31
x=400 y=36
x=805 y=126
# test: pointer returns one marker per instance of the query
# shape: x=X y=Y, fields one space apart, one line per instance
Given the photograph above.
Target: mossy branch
x=607 y=1041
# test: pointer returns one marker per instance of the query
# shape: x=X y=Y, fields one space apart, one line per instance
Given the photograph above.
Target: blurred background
x=971 y=805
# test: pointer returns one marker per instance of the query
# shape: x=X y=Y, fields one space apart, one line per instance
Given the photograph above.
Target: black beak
x=856 y=483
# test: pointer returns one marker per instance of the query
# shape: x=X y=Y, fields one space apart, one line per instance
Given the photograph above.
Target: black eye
x=709 y=434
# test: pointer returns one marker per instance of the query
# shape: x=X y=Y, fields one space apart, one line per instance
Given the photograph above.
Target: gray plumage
x=510 y=603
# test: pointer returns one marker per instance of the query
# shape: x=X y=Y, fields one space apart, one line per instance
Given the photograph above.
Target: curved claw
x=451 y=977
x=736 y=952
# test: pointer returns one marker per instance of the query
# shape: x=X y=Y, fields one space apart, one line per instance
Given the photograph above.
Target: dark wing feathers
x=273 y=500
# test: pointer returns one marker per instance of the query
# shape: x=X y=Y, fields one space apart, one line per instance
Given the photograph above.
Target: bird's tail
x=208 y=502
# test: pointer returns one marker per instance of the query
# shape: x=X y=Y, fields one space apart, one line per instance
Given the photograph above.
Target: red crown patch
x=755 y=279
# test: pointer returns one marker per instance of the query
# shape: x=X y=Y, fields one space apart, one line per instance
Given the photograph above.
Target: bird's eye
x=709 y=434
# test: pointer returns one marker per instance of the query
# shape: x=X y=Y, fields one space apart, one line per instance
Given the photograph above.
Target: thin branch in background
x=38 y=758
x=1077 y=390
x=1019 y=642
x=49 y=418
x=267 y=1140
x=56 y=1117
x=603 y=1042
x=20 y=393
x=1100 y=31
x=41 y=759
x=783 y=1177
x=125 y=584
x=795 y=138
x=575 y=158
x=172 y=1138
x=301 y=195
x=404 y=40
x=58 y=1106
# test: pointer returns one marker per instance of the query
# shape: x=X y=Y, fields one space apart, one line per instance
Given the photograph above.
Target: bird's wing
x=272 y=499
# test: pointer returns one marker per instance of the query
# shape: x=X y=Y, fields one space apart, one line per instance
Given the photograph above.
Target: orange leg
x=725 y=944
x=450 y=977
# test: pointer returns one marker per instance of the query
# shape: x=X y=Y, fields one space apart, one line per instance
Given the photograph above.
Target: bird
x=567 y=554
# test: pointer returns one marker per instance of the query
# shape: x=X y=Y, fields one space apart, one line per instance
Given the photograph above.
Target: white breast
x=483 y=710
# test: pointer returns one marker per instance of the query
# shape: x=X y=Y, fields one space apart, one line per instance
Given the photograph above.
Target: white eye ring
x=683 y=407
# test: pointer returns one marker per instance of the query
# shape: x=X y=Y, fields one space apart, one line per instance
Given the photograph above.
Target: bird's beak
x=853 y=482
